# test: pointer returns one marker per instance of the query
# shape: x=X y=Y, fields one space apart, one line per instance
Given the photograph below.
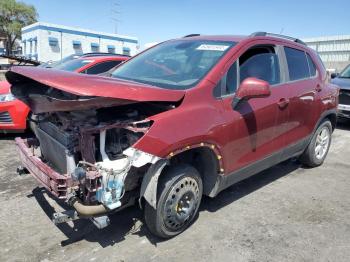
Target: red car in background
x=14 y=113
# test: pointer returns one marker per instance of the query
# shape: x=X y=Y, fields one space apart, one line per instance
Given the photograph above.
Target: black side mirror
x=334 y=75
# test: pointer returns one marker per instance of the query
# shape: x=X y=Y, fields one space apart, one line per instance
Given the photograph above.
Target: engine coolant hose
x=87 y=211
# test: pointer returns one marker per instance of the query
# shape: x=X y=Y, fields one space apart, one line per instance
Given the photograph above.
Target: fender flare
x=150 y=183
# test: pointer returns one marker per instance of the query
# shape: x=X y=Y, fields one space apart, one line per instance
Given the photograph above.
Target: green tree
x=13 y=16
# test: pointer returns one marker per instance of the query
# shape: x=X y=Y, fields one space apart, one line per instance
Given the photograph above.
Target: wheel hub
x=181 y=204
x=322 y=143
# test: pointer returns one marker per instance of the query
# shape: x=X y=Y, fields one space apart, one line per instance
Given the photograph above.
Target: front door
x=254 y=131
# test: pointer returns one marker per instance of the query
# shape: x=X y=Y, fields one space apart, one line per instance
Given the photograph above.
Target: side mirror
x=334 y=75
x=251 y=88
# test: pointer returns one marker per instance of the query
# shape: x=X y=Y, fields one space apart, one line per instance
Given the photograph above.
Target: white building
x=333 y=50
x=49 y=42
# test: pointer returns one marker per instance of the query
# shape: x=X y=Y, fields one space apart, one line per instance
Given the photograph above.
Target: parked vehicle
x=343 y=81
x=185 y=118
x=14 y=113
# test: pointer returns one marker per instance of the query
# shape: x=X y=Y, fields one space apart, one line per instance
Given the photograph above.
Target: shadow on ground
x=12 y=136
x=127 y=221
x=343 y=124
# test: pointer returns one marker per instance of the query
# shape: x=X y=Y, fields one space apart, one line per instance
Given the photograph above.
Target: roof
x=77 y=31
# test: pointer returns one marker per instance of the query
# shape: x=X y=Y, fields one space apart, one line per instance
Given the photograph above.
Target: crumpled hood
x=47 y=90
x=343 y=83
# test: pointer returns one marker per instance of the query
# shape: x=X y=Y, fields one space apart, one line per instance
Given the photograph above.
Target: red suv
x=186 y=118
x=14 y=113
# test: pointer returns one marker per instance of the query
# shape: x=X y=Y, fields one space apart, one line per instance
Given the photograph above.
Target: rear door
x=255 y=131
x=303 y=84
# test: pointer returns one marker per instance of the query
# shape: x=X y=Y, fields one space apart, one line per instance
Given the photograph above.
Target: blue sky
x=153 y=21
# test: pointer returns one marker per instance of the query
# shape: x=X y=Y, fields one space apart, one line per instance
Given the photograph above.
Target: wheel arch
x=206 y=160
x=204 y=157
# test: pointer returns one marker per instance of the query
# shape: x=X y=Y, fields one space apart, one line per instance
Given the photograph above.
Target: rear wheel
x=179 y=196
x=317 y=150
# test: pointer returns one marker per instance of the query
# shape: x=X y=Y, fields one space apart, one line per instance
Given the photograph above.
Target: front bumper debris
x=54 y=182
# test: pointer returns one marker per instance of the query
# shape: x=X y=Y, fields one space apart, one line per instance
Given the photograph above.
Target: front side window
x=262 y=66
x=297 y=64
x=259 y=62
x=176 y=64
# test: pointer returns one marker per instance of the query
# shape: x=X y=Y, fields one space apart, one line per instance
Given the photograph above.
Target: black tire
x=179 y=195
x=310 y=158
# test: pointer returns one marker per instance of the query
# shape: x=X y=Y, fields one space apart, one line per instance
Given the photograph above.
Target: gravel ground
x=286 y=213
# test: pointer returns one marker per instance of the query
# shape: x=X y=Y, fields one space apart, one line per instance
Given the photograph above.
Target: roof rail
x=190 y=35
x=278 y=35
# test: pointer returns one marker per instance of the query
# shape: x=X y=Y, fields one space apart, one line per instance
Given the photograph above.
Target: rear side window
x=312 y=67
x=101 y=67
x=297 y=64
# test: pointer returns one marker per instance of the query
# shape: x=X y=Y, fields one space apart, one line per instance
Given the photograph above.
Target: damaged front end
x=85 y=155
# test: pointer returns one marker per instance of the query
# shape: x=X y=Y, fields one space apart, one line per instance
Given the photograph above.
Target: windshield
x=174 y=64
x=52 y=64
x=345 y=73
x=73 y=65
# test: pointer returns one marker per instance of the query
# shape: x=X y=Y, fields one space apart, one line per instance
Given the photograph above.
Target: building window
x=53 y=41
x=111 y=49
x=76 y=44
x=95 y=47
x=126 y=51
x=77 y=47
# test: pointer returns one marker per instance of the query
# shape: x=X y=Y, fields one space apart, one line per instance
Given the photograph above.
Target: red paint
x=55 y=183
x=253 y=88
x=92 y=85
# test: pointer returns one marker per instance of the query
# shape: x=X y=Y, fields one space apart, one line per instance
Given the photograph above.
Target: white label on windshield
x=220 y=48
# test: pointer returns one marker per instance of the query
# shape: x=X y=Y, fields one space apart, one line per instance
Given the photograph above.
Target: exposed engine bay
x=85 y=131
x=94 y=148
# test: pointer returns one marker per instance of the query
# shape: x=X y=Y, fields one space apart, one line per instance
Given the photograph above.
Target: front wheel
x=317 y=150
x=179 y=196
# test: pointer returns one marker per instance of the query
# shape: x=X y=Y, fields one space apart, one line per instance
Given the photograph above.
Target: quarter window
x=297 y=64
x=312 y=66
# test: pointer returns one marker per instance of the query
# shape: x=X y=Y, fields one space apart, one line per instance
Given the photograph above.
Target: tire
x=179 y=195
x=321 y=139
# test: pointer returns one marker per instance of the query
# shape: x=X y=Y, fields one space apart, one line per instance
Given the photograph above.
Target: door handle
x=318 y=88
x=283 y=103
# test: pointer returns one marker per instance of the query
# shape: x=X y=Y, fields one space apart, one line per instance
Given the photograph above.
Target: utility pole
x=115 y=13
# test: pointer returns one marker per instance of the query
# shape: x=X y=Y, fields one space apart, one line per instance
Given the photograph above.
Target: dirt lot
x=286 y=213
